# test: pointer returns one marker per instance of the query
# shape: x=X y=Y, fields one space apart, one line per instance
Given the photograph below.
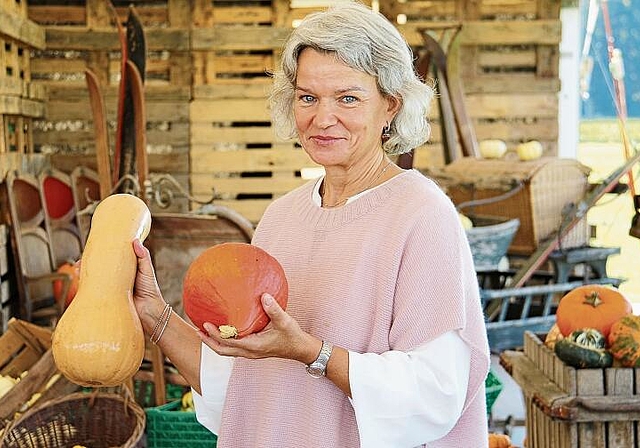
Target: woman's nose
x=325 y=115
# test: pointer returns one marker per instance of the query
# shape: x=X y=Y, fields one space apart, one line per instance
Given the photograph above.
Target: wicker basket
x=549 y=187
x=94 y=420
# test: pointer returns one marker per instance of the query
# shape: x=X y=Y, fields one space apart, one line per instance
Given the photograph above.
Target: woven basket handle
x=475 y=202
x=121 y=390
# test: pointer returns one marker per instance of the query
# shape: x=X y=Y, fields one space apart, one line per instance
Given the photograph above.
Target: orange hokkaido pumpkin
x=591 y=306
x=73 y=271
x=224 y=286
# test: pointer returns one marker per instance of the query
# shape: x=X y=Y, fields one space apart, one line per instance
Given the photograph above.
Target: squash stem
x=592 y=299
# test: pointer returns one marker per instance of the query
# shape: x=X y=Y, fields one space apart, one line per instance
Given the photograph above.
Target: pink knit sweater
x=389 y=271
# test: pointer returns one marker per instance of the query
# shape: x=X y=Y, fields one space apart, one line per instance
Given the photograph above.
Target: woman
x=383 y=302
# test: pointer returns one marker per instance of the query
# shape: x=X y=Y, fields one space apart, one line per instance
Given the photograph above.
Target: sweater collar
x=320 y=218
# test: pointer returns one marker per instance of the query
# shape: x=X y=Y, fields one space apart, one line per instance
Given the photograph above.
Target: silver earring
x=386 y=133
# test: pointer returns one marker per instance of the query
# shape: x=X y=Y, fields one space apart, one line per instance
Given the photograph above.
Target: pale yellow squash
x=530 y=150
x=492 y=149
x=99 y=339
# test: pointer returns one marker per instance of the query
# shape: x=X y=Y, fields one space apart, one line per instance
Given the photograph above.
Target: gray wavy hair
x=365 y=41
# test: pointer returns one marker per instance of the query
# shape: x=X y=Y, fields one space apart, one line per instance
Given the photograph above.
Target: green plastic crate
x=168 y=426
x=145 y=392
x=493 y=388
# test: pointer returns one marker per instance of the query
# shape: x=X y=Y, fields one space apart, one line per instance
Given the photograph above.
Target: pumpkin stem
x=592 y=299
x=228 y=331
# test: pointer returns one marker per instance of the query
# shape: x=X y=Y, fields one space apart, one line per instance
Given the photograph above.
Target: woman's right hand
x=147 y=297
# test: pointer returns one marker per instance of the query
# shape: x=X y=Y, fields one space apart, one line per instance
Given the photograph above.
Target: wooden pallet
x=216 y=54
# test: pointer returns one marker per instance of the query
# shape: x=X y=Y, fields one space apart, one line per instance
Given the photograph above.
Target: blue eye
x=349 y=99
x=306 y=98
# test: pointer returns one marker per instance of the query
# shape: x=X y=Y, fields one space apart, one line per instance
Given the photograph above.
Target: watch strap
x=318 y=368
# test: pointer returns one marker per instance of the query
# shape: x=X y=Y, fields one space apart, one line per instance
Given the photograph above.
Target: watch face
x=314 y=371
x=317 y=368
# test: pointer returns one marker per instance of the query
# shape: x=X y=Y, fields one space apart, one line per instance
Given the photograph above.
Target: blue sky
x=625 y=21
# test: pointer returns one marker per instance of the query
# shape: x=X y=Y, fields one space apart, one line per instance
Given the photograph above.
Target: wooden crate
x=25 y=352
x=568 y=407
x=17 y=134
x=20 y=100
x=18 y=37
x=549 y=186
x=15 y=69
x=84 y=36
x=21 y=346
x=233 y=43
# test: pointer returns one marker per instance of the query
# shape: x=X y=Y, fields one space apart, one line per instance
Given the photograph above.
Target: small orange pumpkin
x=499 y=441
x=224 y=286
x=73 y=271
x=591 y=306
x=624 y=340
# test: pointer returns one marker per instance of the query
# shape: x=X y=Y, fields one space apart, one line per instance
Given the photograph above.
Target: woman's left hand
x=281 y=338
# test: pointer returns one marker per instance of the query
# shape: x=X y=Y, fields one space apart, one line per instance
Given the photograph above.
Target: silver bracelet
x=164 y=327
x=159 y=321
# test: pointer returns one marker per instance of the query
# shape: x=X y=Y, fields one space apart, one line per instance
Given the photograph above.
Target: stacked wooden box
x=20 y=100
x=207 y=83
x=567 y=407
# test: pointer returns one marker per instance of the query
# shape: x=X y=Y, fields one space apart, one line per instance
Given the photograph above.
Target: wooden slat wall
x=509 y=62
x=207 y=83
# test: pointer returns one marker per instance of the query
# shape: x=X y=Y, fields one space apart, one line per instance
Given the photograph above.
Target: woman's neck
x=338 y=186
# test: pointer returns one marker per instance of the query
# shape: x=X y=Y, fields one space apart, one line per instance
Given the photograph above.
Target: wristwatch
x=318 y=368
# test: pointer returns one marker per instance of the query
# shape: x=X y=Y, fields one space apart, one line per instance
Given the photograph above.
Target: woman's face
x=339 y=111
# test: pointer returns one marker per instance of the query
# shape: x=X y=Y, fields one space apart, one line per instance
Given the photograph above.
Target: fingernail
x=208 y=327
x=267 y=299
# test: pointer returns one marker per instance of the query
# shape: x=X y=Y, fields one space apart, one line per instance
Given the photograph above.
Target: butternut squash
x=99 y=339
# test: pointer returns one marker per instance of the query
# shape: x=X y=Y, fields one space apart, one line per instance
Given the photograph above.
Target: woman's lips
x=324 y=139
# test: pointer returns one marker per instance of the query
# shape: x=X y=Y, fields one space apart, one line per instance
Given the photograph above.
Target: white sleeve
x=406 y=399
x=215 y=371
